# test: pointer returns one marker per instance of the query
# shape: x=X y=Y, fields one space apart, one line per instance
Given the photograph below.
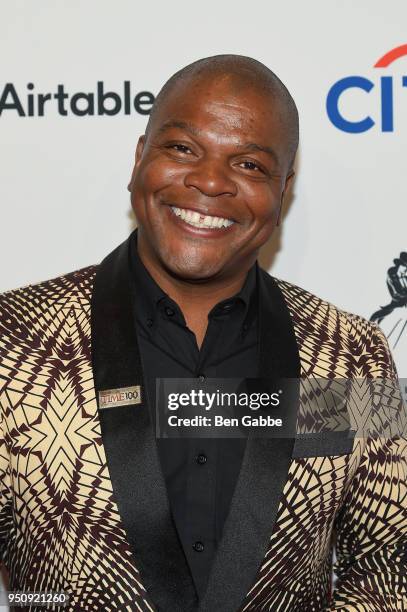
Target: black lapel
x=138 y=484
x=265 y=465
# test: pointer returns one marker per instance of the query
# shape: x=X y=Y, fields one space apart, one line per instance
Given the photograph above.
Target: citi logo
x=383 y=89
x=31 y=103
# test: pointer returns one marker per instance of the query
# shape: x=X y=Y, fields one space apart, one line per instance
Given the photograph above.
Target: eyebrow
x=252 y=146
x=188 y=127
x=182 y=125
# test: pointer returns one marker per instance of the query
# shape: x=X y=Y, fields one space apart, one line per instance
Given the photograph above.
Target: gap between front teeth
x=193 y=218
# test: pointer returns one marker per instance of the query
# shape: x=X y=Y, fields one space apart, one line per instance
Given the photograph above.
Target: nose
x=211 y=178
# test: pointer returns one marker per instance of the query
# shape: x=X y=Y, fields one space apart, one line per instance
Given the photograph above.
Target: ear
x=287 y=185
x=137 y=160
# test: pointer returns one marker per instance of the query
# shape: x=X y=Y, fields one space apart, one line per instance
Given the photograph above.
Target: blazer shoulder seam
x=59 y=284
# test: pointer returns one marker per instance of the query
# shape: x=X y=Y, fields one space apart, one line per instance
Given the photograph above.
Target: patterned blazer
x=83 y=502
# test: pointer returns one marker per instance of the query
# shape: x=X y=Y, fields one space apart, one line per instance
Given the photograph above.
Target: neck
x=194 y=297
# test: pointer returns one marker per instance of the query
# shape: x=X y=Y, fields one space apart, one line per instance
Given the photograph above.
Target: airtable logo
x=385 y=94
x=81 y=103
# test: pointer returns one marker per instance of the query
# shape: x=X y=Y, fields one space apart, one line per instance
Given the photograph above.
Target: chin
x=183 y=268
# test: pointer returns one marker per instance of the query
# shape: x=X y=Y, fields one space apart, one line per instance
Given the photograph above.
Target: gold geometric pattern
x=60 y=528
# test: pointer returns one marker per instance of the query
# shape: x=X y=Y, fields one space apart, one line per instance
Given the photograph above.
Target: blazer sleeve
x=371 y=529
x=6 y=518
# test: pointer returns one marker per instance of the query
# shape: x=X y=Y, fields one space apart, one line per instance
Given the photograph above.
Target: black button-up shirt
x=200 y=474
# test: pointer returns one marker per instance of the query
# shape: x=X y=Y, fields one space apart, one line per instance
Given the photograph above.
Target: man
x=93 y=504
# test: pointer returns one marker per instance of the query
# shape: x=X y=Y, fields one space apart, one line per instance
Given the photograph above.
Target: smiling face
x=209 y=179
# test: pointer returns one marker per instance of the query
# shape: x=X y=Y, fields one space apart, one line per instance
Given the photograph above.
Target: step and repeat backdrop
x=77 y=82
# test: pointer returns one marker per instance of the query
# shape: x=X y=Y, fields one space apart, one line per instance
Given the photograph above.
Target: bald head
x=241 y=74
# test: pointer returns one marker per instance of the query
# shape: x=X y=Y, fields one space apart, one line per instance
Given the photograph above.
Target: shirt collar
x=150 y=293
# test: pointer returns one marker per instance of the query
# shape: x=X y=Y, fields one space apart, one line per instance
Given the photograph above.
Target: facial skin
x=199 y=154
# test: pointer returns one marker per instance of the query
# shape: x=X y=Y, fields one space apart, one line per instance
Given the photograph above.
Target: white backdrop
x=63 y=178
x=64 y=203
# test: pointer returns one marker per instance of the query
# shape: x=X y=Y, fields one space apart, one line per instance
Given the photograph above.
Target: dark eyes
x=246 y=164
x=252 y=166
x=179 y=147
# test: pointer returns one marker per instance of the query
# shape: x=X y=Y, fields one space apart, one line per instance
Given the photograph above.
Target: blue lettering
x=353 y=127
x=387 y=103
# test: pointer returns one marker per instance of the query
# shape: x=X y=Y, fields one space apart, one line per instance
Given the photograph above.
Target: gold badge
x=112 y=398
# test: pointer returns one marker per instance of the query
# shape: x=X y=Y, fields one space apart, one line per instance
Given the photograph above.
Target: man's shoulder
x=30 y=300
x=318 y=313
x=343 y=336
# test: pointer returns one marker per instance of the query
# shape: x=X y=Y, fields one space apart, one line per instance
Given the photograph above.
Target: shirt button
x=201 y=377
x=201 y=458
x=227 y=306
x=150 y=322
x=169 y=311
x=198 y=546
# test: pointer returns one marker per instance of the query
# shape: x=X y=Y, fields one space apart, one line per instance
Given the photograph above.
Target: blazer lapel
x=129 y=442
x=133 y=462
x=265 y=465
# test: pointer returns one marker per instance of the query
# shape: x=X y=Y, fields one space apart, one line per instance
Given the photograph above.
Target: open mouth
x=196 y=219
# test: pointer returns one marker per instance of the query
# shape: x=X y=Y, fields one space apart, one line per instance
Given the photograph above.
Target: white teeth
x=194 y=218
